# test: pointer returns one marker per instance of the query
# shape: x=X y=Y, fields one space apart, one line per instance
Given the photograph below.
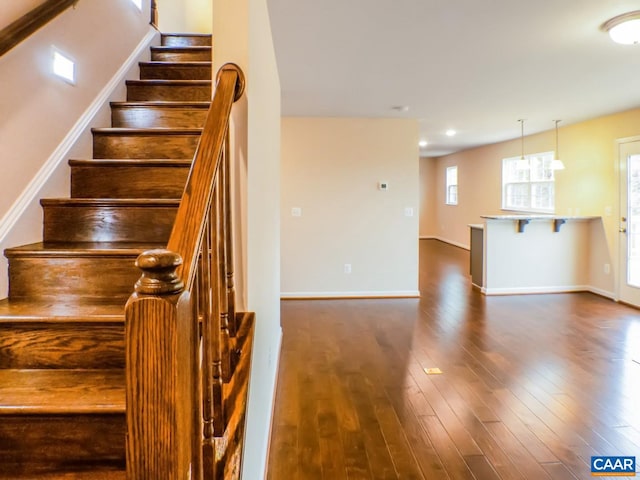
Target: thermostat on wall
x=383 y=185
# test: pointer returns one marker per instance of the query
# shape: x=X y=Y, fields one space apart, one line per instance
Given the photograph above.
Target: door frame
x=619 y=208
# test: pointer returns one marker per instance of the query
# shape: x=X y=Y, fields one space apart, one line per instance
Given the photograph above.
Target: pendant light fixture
x=556 y=164
x=522 y=164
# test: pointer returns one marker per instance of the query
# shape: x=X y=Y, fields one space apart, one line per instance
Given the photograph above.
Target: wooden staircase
x=62 y=362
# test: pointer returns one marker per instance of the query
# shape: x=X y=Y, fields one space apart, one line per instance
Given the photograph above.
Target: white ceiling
x=476 y=66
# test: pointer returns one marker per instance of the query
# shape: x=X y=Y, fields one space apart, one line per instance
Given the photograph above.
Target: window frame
x=541 y=175
x=450 y=188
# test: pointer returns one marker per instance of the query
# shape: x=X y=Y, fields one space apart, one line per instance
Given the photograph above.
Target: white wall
x=242 y=34
x=331 y=168
x=537 y=260
x=39 y=110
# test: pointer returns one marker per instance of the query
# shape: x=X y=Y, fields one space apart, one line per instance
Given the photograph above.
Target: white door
x=629 y=222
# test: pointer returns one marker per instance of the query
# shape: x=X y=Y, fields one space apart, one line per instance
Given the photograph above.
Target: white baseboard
x=542 y=290
x=603 y=293
x=358 y=294
x=61 y=153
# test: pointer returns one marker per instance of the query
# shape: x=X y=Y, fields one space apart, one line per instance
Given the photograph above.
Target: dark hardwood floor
x=531 y=387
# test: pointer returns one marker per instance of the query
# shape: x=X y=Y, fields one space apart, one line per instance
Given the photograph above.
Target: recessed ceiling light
x=625 y=28
x=400 y=108
x=423 y=143
x=450 y=133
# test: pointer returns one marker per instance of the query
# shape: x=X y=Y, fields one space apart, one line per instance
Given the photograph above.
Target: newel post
x=161 y=363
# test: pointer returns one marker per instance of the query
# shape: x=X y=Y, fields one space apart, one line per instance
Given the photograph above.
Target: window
x=452 y=186
x=528 y=185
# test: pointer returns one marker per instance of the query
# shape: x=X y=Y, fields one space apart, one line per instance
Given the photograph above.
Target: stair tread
x=122 y=162
x=186 y=48
x=147 y=131
x=182 y=63
x=87 y=475
x=62 y=392
x=111 y=202
x=161 y=104
x=185 y=34
x=68 y=311
x=188 y=83
x=78 y=249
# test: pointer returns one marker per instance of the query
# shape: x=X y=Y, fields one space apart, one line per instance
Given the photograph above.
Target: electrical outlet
x=296 y=212
x=607 y=269
x=608 y=211
x=408 y=211
x=347 y=268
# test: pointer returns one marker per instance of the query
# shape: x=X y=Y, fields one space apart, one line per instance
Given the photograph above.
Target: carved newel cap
x=159 y=273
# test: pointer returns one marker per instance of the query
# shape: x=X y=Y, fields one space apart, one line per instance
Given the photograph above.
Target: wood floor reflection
x=531 y=386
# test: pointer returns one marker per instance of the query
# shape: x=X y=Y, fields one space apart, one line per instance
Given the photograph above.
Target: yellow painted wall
x=427 y=197
x=192 y=16
x=588 y=185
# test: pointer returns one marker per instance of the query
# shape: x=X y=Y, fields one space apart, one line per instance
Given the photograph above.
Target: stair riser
x=168 y=93
x=44 y=278
x=128 y=182
x=186 y=40
x=144 y=146
x=56 y=345
x=108 y=224
x=158 y=117
x=46 y=444
x=175 y=72
x=180 y=56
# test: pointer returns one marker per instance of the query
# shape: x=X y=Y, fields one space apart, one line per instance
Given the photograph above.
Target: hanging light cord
x=521 y=139
x=557 y=153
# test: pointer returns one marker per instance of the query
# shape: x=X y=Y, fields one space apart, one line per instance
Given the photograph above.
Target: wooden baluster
x=214 y=339
x=162 y=365
x=203 y=284
x=198 y=309
x=228 y=215
x=221 y=294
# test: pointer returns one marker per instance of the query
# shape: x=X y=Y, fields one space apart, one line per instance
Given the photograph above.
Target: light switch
x=296 y=212
x=408 y=211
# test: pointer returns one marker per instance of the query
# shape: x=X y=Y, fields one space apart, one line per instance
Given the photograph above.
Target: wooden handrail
x=180 y=330
x=17 y=31
x=190 y=222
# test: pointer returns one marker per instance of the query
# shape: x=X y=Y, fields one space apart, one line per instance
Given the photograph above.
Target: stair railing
x=17 y=31
x=180 y=322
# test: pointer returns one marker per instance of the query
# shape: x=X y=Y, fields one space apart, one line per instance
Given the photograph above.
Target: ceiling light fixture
x=625 y=28
x=450 y=133
x=423 y=143
x=557 y=164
